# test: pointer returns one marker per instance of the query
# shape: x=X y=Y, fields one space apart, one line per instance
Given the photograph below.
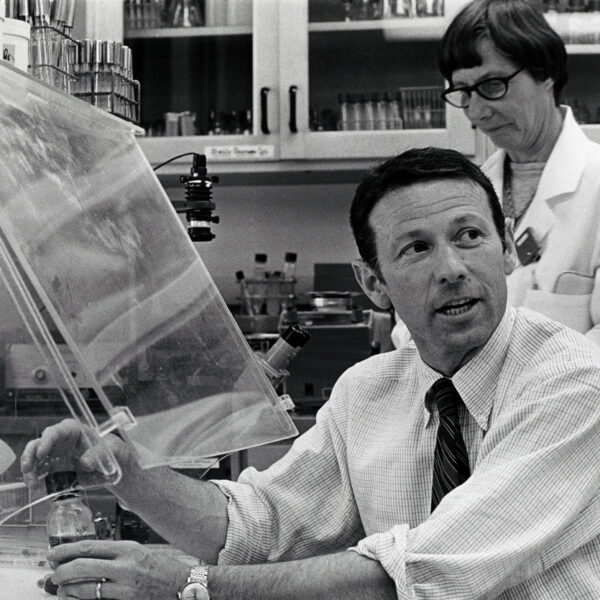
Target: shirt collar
x=476 y=381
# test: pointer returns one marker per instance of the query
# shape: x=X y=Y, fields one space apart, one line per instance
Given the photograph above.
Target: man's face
x=444 y=267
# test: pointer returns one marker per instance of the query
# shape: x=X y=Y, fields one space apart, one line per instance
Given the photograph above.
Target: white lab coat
x=564 y=217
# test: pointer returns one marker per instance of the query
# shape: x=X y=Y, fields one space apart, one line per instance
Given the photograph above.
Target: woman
x=506 y=68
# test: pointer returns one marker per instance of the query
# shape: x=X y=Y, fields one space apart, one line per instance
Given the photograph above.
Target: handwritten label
x=245 y=152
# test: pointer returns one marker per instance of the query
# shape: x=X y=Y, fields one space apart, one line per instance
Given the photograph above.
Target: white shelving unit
x=285 y=47
x=289 y=52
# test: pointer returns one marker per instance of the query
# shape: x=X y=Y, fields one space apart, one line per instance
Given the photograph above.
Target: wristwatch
x=196 y=587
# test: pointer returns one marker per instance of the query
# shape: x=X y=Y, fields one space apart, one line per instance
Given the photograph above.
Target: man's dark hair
x=518 y=30
x=402 y=171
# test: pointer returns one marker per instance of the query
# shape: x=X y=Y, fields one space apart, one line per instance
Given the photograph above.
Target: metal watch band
x=198 y=575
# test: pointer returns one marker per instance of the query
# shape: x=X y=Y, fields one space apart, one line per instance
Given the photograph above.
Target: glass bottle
x=259 y=284
x=69 y=519
x=344 y=124
x=260 y=262
x=369 y=113
x=289 y=265
x=380 y=112
x=358 y=114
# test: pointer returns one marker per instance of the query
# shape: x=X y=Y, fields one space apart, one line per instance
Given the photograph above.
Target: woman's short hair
x=518 y=30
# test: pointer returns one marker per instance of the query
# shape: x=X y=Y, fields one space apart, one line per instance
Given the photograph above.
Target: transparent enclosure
x=108 y=314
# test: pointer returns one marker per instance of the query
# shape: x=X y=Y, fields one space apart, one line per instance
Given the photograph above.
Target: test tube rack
x=270 y=295
x=96 y=71
x=50 y=57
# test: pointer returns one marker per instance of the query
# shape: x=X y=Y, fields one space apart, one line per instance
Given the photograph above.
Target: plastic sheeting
x=108 y=313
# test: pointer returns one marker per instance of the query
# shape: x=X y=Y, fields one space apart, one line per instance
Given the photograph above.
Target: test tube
x=84 y=81
x=116 y=79
x=126 y=72
x=69 y=16
x=40 y=41
x=97 y=98
x=108 y=61
x=23 y=10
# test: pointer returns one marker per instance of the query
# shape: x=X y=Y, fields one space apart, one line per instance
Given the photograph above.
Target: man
x=456 y=467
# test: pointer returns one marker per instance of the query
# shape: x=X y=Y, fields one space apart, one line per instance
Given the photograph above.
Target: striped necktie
x=451 y=462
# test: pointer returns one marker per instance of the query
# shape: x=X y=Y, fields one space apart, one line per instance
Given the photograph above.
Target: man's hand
x=75 y=443
x=127 y=570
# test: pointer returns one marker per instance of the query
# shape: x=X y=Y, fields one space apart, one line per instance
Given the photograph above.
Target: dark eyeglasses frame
x=469 y=89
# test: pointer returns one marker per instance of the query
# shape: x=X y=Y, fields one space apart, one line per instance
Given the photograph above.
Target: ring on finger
x=99 y=589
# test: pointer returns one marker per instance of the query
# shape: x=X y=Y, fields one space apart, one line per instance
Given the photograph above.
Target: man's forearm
x=189 y=513
x=341 y=576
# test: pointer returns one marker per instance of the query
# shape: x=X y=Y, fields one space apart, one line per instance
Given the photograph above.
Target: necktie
x=451 y=462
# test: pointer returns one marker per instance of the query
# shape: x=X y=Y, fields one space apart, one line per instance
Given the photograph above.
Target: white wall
x=311 y=220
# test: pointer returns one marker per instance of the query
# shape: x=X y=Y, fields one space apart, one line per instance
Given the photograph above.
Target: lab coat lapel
x=561 y=176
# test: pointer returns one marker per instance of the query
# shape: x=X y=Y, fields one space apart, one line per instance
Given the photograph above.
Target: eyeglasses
x=493 y=88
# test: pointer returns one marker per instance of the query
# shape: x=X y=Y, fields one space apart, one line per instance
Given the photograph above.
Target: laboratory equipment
x=281 y=353
x=198 y=205
x=69 y=519
x=289 y=265
x=107 y=310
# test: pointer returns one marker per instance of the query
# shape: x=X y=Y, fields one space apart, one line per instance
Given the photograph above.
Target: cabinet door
x=209 y=78
x=359 y=79
x=581 y=33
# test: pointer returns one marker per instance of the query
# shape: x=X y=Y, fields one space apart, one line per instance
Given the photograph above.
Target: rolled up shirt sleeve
x=301 y=506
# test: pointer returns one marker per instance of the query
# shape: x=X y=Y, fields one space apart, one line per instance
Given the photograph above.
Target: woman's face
x=515 y=122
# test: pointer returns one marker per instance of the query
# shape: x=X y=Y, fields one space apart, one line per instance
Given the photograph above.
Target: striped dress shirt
x=525 y=525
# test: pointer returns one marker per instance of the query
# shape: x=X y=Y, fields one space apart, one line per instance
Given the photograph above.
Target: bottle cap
x=60 y=480
x=295 y=336
x=291 y=257
x=260 y=258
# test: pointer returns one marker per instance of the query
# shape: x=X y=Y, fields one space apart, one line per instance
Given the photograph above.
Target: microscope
x=198 y=205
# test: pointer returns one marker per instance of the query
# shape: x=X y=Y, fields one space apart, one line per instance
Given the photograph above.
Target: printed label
x=245 y=152
x=9 y=53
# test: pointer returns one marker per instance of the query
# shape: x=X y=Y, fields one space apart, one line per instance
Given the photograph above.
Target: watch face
x=194 y=591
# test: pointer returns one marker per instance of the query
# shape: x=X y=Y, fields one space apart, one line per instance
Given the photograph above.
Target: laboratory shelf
x=583 y=48
x=425 y=28
x=186 y=32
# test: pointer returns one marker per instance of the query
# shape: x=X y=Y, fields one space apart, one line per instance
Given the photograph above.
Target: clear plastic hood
x=108 y=313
